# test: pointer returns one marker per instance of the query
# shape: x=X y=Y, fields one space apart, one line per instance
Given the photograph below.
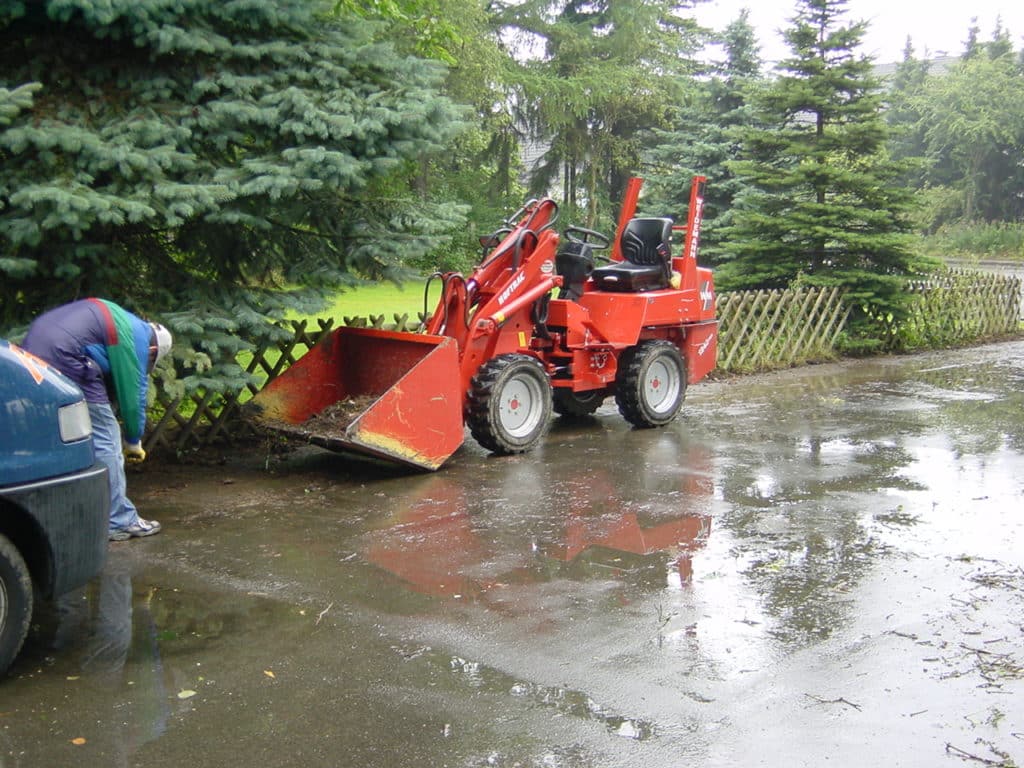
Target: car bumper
x=73 y=514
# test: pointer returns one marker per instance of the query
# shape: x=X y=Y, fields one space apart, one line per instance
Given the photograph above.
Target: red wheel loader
x=540 y=325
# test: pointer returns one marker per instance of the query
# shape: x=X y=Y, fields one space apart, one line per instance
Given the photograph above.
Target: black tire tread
x=628 y=384
x=572 y=405
x=18 y=582
x=479 y=415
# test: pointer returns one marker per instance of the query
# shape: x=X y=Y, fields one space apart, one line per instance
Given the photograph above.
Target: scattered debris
x=840 y=700
x=1004 y=760
x=1012 y=579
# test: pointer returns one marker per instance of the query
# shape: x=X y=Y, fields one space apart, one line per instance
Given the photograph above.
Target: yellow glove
x=134 y=453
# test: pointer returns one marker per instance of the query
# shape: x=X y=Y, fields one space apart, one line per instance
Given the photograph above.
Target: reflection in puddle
x=124 y=660
x=437 y=546
x=559 y=699
x=107 y=634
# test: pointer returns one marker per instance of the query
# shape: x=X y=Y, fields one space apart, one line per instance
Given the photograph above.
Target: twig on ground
x=840 y=700
x=1004 y=762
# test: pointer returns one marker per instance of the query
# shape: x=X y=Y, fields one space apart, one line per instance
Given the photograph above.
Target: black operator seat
x=646 y=246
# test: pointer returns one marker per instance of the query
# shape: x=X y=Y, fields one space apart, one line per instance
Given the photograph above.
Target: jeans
x=106 y=441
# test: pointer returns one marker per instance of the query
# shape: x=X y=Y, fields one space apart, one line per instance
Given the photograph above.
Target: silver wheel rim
x=519 y=410
x=661 y=385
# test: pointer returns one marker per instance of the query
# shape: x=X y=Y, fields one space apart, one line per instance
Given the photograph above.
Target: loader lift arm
x=488 y=313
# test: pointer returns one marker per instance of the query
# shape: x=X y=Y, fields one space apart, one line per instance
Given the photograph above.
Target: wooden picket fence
x=762 y=330
x=758 y=330
x=957 y=307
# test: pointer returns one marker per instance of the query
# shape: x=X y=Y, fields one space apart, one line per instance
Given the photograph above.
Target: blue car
x=54 y=496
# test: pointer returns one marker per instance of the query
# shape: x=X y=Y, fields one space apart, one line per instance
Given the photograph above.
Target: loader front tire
x=651 y=384
x=509 y=404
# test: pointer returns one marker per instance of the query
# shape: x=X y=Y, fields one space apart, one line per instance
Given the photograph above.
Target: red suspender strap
x=108 y=321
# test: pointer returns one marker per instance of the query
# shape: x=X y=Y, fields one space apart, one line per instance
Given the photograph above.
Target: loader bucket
x=387 y=394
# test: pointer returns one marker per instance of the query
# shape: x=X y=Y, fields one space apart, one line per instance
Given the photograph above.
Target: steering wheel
x=594 y=239
x=583 y=235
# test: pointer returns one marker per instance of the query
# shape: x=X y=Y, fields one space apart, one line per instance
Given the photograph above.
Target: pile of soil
x=335 y=418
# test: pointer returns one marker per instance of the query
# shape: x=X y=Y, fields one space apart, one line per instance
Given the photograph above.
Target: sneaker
x=136 y=530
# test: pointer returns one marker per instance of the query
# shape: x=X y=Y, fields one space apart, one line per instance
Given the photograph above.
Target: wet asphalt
x=822 y=566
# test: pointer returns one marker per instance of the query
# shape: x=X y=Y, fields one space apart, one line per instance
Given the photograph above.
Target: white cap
x=163 y=341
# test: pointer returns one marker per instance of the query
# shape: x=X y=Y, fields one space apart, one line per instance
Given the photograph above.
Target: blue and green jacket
x=104 y=349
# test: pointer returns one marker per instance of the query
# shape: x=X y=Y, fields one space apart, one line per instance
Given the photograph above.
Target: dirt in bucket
x=336 y=417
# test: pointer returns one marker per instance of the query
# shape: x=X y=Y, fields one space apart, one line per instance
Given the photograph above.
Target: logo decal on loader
x=698 y=217
x=504 y=295
x=707 y=296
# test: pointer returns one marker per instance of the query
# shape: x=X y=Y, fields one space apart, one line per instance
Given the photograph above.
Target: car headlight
x=74 y=421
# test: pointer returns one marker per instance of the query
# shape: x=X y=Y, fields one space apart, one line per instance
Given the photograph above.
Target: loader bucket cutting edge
x=388 y=394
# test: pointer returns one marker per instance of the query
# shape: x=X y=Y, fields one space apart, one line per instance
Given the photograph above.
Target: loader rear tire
x=651 y=384
x=509 y=404
x=578 y=404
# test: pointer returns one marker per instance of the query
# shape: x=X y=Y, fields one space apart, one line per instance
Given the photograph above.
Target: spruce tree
x=705 y=139
x=480 y=168
x=594 y=75
x=902 y=113
x=824 y=205
x=483 y=167
x=213 y=163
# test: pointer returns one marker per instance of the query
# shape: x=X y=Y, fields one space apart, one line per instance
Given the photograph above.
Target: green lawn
x=366 y=301
x=381 y=299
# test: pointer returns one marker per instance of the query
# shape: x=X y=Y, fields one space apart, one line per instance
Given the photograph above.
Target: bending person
x=109 y=353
